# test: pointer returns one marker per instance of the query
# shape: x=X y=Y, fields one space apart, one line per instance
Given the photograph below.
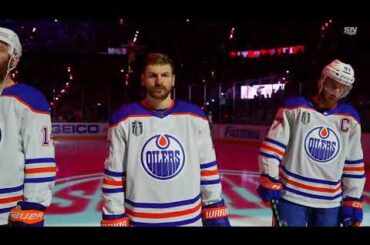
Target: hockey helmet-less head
x=340 y=72
x=11 y=38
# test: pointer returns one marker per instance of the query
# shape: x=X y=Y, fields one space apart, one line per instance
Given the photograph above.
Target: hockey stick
x=275 y=213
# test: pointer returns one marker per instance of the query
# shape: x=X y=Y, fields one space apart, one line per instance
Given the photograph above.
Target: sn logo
x=350 y=30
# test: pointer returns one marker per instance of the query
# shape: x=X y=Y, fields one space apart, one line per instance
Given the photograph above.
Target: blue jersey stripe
x=5 y=210
x=39 y=160
x=115 y=190
x=210 y=182
x=312 y=195
x=167 y=224
x=113 y=216
x=163 y=205
x=11 y=189
x=275 y=143
x=114 y=174
x=296 y=101
x=28 y=95
x=354 y=161
x=353 y=176
x=136 y=109
x=327 y=182
x=270 y=156
x=39 y=180
x=208 y=165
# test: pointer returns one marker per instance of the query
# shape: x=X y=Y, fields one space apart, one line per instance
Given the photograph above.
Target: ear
x=13 y=62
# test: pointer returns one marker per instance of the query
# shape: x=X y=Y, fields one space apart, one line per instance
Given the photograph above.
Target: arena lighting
x=64 y=90
x=136 y=36
x=231 y=35
x=252 y=54
x=326 y=24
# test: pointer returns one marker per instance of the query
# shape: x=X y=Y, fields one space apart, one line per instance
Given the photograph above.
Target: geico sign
x=75 y=128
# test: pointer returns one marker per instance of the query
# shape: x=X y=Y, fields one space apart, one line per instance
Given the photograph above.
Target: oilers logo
x=322 y=144
x=163 y=157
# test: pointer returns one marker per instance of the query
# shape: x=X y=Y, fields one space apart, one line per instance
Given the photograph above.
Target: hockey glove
x=269 y=188
x=27 y=214
x=120 y=220
x=215 y=214
x=351 y=213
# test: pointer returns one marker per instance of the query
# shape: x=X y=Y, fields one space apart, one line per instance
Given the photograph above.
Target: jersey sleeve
x=353 y=178
x=210 y=177
x=38 y=148
x=114 y=180
x=275 y=143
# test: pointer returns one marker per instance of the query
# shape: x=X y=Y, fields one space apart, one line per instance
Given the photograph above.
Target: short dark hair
x=158 y=59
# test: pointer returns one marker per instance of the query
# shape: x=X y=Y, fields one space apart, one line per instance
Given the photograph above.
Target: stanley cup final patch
x=306 y=116
x=137 y=128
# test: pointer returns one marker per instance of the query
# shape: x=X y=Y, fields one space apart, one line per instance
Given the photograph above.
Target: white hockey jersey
x=320 y=153
x=27 y=165
x=161 y=168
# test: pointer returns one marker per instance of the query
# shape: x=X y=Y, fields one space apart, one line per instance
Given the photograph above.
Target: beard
x=158 y=92
x=3 y=70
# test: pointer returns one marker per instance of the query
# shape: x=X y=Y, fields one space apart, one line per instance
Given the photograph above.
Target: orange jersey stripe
x=113 y=182
x=357 y=169
x=164 y=215
x=270 y=148
x=209 y=172
x=11 y=199
x=41 y=170
x=312 y=188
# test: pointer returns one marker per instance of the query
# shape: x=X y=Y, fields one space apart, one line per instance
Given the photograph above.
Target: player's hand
x=27 y=214
x=269 y=188
x=115 y=221
x=215 y=214
x=351 y=213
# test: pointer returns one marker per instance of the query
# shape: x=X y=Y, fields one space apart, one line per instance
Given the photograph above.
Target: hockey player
x=317 y=144
x=27 y=166
x=161 y=168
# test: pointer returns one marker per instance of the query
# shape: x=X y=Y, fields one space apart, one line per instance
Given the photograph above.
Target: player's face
x=4 y=58
x=332 y=90
x=158 y=81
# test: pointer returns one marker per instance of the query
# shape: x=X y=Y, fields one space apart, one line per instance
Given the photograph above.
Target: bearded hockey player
x=27 y=166
x=161 y=168
x=317 y=143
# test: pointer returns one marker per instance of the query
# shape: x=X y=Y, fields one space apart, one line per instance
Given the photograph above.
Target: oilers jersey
x=161 y=167
x=319 y=153
x=27 y=165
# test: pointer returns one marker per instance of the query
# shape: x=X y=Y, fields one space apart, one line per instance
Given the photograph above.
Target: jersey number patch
x=344 y=125
x=45 y=136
